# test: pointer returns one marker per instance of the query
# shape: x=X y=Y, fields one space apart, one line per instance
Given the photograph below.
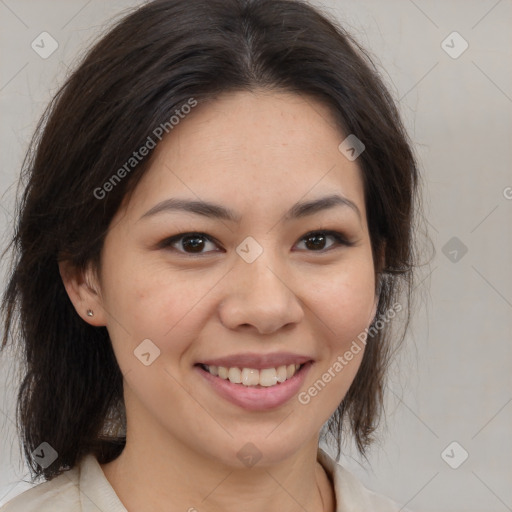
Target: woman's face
x=256 y=291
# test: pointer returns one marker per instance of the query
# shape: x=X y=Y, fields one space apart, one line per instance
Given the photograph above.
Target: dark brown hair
x=133 y=80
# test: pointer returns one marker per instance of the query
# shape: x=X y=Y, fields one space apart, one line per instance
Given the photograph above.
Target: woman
x=215 y=235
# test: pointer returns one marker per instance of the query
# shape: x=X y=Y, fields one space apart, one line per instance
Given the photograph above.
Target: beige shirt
x=86 y=489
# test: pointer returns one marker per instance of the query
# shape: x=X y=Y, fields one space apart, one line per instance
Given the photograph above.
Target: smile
x=266 y=377
x=255 y=389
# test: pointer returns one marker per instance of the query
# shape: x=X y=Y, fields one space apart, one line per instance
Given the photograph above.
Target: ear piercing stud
x=90 y=312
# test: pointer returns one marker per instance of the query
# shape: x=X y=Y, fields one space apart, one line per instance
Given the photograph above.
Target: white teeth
x=281 y=374
x=235 y=375
x=250 y=377
x=266 y=377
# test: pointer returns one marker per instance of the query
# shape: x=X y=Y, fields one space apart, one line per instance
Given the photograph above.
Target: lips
x=280 y=376
x=255 y=398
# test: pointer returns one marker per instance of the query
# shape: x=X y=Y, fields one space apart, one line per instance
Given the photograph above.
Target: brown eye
x=189 y=243
x=193 y=243
x=316 y=241
x=197 y=243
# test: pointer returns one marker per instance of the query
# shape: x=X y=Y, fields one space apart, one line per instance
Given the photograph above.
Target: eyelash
x=168 y=242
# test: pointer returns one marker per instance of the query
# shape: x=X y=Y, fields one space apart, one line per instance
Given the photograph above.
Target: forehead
x=254 y=150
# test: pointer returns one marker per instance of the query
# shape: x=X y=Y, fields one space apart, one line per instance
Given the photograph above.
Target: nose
x=259 y=297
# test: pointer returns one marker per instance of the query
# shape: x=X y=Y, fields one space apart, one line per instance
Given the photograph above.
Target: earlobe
x=83 y=293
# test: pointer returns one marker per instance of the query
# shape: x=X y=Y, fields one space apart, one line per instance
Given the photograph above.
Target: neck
x=149 y=478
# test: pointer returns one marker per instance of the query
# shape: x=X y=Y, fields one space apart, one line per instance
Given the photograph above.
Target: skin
x=257 y=153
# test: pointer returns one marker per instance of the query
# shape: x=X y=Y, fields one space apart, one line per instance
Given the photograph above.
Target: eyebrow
x=217 y=211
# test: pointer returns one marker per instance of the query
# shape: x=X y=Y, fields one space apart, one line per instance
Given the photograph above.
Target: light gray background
x=453 y=379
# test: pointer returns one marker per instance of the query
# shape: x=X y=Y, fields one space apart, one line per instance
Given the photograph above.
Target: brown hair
x=147 y=66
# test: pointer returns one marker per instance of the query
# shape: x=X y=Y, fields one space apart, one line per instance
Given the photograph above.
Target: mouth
x=255 y=389
x=253 y=377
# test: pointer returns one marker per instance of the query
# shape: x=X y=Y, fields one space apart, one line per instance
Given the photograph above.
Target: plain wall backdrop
x=450 y=393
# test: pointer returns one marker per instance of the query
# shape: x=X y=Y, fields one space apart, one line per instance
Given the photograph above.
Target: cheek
x=167 y=307
x=344 y=304
x=344 y=301
x=130 y=298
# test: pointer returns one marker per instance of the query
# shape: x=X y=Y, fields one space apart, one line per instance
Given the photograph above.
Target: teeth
x=235 y=375
x=251 y=377
x=281 y=374
x=268 y=377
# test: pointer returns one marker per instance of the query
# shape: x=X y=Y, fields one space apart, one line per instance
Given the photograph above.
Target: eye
x=197 y=243
x=191 y=243
x=316 y=240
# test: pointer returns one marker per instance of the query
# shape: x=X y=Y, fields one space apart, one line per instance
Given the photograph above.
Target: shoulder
x=60 y=494
x=83 y=488
x=351 y=494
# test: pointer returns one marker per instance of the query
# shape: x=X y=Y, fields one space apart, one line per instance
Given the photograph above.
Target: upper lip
x=257 y=361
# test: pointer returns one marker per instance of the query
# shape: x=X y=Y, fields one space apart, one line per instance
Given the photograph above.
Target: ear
x=83 y=290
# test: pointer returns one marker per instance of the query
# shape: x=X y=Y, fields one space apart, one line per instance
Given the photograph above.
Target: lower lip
x=253 y=398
